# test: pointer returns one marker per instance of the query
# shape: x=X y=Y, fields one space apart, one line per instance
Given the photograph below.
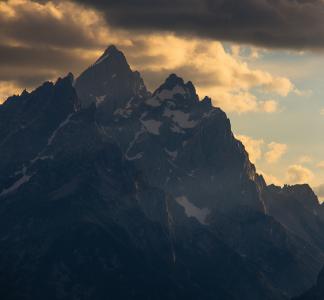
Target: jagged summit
x=174 y=85
x=302 y=193
x=113 y=54
x=112 y=50
x=173 y=80
x=207 y=101
x=69 y=79
x=109 y=80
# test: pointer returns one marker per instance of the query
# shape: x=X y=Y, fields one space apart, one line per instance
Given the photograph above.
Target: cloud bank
x=43 y=40
x=275 y=152
x=266 y=23
x=298 y=174
x=258 y=149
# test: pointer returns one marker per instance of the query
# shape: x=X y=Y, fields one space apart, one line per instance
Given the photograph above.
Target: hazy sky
x=261 y=61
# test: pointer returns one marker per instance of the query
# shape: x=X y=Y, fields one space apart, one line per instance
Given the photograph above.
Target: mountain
x=316 y=292
x=87 y=225
x=28 y=126
x=298 y=209
x=110 y=191
x=110 y=78
x=186 y=147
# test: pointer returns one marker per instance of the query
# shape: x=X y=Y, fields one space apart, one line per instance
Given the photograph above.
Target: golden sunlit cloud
x=320 y=165
x=255 y=149
x=252 y=146
x=215 y=72
x=270 y=179
x=304 y=159
x=8 y=88
x=65 y=23
x=275 y=152
x=66 y=26
x=298 y=174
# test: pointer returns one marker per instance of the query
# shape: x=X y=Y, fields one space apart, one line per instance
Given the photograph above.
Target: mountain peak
x=111 y=80
x=176 y=84
x=112 y=49
x=303 y=193
x=112 y=53
x=174 y=80
x=68 y=79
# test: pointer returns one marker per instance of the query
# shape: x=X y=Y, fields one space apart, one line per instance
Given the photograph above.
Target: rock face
x=110 y=81
x=298 y=209
x=28 y=126
x=316 y=292
x=109 y=191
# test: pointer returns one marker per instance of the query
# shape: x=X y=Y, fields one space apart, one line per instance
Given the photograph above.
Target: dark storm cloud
x=42 y=42
x=30 y=66
x=28 y=57
x=271 y=23
x=41 y=26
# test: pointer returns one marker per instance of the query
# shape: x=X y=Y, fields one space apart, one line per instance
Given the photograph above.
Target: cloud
x=215 y=71
x=271 y=179
x=252 y=146
x=43 y=40
x=256 y=148
x=305 y=159
x=275 y=152
x=7 y=88
x=298 y=174
x=319 y=191
x=281 y=23
x=320 y=165
x=61 y=24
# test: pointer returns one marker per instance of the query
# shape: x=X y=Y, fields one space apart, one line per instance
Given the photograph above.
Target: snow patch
x=44 y=157
x=176 y=129
x=64 y=123
x=21 y=171
x=133 y=142
x=135 y=157
x=152 y=126
x=169 y=94
x=193 y=211
x=100 y=99
x=172 y=154
x=16 y=185
x=180 y=118
x=191 y=173
x=164 y=95
x=102 y=59
x=154 y=102
x=126 y=111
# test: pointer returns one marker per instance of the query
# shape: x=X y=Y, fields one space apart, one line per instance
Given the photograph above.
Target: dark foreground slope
x=123 y=194
x=316 y=292
x=86 y=225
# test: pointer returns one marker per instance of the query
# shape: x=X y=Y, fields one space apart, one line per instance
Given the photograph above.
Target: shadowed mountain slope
x=110 y=191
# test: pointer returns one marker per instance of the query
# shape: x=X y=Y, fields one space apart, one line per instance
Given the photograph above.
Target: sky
x=257 y=59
